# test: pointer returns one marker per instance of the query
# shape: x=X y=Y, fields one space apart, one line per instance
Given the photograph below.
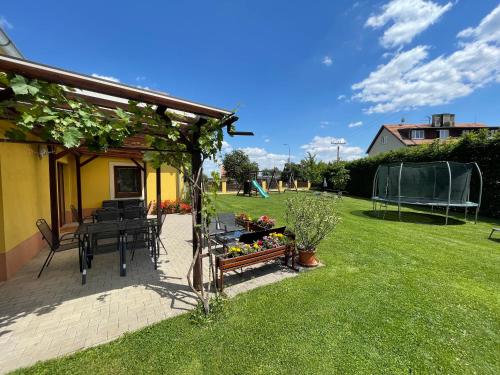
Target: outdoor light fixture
x=42 y=151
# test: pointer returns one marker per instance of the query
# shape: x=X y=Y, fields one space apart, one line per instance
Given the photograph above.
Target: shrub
x=337 y=175
x=311 y=218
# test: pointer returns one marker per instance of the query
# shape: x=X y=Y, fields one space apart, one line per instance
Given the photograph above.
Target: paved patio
x=56 y=315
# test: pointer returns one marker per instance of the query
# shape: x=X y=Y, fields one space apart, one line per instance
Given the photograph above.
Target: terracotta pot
x=308 y=258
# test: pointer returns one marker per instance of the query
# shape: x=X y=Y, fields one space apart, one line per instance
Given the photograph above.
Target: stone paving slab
x=56 y=315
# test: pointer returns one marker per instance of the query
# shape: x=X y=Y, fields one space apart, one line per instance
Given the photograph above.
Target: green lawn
x=393 y=297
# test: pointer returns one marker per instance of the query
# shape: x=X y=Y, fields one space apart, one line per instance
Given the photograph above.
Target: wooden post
x=158 y=197
x=54 y=213
x=195 y=166
x=79 y=189
x=145 y=185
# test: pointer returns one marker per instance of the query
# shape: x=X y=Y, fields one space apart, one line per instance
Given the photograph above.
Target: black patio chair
x=108 y=214
x=74 y=216
x=227 y=221
x=62 y=244
x=133 y=212
x=213 y=229
x=142 y=233
x=110 y=204
x=103 y=236
x=132 y=203
x=160 y=229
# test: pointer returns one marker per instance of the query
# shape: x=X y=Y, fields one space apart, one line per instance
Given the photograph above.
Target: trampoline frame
x=399 y=201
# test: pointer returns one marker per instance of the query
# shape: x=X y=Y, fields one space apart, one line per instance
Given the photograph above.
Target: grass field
x=393 y=297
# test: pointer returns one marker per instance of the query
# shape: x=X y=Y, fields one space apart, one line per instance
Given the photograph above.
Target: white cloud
x=324 y=124
x=409 y=80
x=214 y=165
x=341 y=97
x=327 y=61
x=266 y=159
x=409 y=18
x=140 y=78
x=226 y=147
x=107 y=78
x=210 y=166
x=355 y=124
x=4 y=24
x=267 y=140
x=487 y=31
x=325 y=150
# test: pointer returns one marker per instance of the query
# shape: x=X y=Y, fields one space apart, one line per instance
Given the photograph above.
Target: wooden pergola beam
x=89 y=160
x=51 y=74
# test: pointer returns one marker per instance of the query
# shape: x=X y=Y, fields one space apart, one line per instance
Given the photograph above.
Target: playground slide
x=259 y=189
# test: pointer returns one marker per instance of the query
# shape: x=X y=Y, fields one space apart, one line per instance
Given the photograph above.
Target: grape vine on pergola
x=86 y=115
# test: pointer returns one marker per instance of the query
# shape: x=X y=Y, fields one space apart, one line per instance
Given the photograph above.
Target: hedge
x=482 y=148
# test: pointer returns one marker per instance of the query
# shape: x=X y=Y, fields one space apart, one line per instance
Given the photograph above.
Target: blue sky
x=301 y=73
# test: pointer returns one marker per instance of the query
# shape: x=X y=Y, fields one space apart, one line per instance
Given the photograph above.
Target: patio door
x=60 y=194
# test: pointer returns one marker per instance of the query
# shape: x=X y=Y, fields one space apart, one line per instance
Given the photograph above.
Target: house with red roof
x=443 y=126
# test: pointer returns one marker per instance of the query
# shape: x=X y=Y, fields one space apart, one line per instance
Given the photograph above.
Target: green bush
x=311 y=218
x=481 y=147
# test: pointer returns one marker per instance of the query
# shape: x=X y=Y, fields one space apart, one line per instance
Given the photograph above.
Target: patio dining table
x=229 y=237
x=124 y=228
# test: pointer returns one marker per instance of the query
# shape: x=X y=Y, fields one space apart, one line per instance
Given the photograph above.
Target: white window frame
x=383 y=139
x=415 y=134
x=444 y=131
x=112 y=166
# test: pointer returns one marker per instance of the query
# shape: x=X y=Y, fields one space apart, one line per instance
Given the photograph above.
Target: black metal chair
x=133 y=212
x=132 y=203
x=142 y=233
x=102 y=236
x=108 y=214
x=160 y=229
x=227 y=221
x=110 y=204
x=62 y=244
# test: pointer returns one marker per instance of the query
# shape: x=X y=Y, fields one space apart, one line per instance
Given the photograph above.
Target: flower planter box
x=250 y=225
x=225 y=264
x=244 y=223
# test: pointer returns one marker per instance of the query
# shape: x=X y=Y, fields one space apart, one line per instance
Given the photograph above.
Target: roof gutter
x=7 y=46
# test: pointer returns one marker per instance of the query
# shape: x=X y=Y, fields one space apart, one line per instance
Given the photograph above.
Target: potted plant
x=311 y=218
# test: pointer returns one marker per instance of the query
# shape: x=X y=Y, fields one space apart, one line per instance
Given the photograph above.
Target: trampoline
x=434 y=184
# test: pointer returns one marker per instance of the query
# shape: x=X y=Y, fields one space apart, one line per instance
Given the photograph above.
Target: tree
x=311 y=168
x=337 y=175
x=238 y=166
x=294 y=168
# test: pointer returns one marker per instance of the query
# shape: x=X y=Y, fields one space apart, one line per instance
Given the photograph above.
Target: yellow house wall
x=25 y=191
x=170 y=188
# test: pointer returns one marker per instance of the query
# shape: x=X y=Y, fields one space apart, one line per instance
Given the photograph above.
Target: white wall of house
x=391 y=143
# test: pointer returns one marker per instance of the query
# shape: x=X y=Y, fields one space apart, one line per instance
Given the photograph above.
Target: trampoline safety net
x=440 y=183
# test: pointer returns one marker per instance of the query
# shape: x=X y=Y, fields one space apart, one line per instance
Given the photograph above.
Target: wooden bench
x=493 y=230
x=224 y=264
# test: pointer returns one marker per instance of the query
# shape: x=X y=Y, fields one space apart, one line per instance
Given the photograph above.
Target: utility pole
x=338 y=142
x=290 y=176
x=286 y=144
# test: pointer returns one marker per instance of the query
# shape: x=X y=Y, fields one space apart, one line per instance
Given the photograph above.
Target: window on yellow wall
x=127 y=182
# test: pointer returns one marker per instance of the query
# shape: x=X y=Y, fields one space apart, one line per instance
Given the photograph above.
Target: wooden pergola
x=108 y=96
